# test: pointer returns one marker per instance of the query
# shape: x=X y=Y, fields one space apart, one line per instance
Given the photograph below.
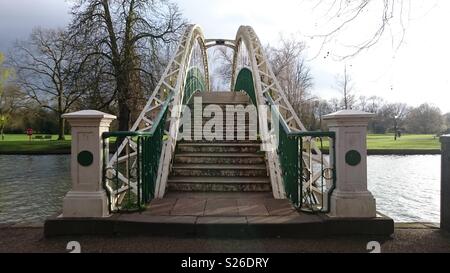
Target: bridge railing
x=129 y=178
x=309 y=174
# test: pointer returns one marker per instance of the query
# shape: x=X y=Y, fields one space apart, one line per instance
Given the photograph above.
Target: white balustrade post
x=87 y=198
x=351 y=198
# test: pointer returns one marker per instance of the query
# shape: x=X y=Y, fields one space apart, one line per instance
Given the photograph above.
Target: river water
x=407 y=188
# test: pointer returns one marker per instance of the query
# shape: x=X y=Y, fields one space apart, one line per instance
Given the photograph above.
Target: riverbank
x=413 y=237
x=377 y=145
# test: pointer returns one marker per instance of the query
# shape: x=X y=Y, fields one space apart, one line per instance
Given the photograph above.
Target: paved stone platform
x=219 y=215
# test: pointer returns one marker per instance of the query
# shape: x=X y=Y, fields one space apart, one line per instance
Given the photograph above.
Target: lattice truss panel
x=250 y=54
x=190 y=52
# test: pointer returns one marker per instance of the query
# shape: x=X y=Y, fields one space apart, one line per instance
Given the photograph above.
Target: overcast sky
x=414 y=74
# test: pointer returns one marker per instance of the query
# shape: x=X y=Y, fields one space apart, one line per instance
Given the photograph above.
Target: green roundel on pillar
x=85 y=158
x=353 y=158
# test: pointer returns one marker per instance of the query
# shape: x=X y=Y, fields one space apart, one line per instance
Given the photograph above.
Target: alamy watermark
x=214 y=122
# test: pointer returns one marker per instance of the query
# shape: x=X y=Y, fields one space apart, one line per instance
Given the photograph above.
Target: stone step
x=224 y=97
x=230 y=135
x=237 y=108
x=154 y=222
x=228 y=139
x=252 y=170
x=219 y=184
x=218 y=147
x=232 y=122
x=227 y=127
x=219 y=158
x=224 y=141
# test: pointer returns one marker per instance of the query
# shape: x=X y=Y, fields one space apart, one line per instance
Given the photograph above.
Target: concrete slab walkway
x=227 y=215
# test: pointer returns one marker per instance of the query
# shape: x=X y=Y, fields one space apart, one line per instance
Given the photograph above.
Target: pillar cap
x=445 y=138
x=345 y=114
x=88 y=114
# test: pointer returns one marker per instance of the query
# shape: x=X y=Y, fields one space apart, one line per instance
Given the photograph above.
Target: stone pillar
x=445 y=183
x=351 y=198
x=87 y=198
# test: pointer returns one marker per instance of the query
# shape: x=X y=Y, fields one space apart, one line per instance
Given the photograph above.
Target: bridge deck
x=221 y=204
x=216 y=214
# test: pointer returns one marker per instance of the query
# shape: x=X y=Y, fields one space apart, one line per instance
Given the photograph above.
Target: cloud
x=19 y=17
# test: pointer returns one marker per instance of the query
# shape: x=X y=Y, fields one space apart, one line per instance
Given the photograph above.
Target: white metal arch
x=250 y=54
x=172 y=82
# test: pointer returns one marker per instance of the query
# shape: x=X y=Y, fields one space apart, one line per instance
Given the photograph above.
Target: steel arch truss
x=249 y=54
x=190 y=53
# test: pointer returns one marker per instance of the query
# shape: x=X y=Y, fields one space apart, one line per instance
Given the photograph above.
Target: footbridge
x=241 y=152
x=292 y=173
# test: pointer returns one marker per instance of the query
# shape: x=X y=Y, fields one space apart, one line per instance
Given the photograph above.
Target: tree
x=294 y=76
x=323 y=108
x=425 y=119
x=123 y=33
x=389 y=17
x=11 y=99
x=362 y=103
x=223 y=71
x=45 y=67
x=374 y=103
x=345 y=85
x=5 y=74
x=390 y=117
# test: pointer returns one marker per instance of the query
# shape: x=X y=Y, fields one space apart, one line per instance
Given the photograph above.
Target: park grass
x=24 y=137
x=20 y=144
x=406 y=142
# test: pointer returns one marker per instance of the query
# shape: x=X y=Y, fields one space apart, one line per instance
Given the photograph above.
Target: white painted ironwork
x=250 y=54
x=190 y=52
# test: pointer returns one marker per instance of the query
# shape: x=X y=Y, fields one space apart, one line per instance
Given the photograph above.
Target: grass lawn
x=21 y=145
x=406 y=142
x=24 y=137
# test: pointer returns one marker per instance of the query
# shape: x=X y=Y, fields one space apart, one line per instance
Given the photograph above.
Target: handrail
x=138 y=167
x=298 y=166
x=142 y=133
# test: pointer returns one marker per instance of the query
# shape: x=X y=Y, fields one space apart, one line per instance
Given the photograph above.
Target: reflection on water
x=32 y=187
x=407 y=188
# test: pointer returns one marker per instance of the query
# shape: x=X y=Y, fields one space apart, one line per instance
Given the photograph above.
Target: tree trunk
x=61 y=128
x=124 y=115
x=1 y=133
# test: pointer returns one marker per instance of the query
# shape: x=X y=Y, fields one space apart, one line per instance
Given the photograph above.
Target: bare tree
x=391 y=16
x=223 y=59
x=362 y=103
x=425 y=119
x=391 y=116
x=45 y=65
x=374 y=104
x=124 y=33
x=294 y=75
x=346 y=86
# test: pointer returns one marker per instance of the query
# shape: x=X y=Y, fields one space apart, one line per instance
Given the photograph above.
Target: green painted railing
x=309 y=177
x=244 y=82
x=130 y=182
x=195 y=81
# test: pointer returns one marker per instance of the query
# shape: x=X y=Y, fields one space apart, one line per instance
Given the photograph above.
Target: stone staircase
x=228 y=164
